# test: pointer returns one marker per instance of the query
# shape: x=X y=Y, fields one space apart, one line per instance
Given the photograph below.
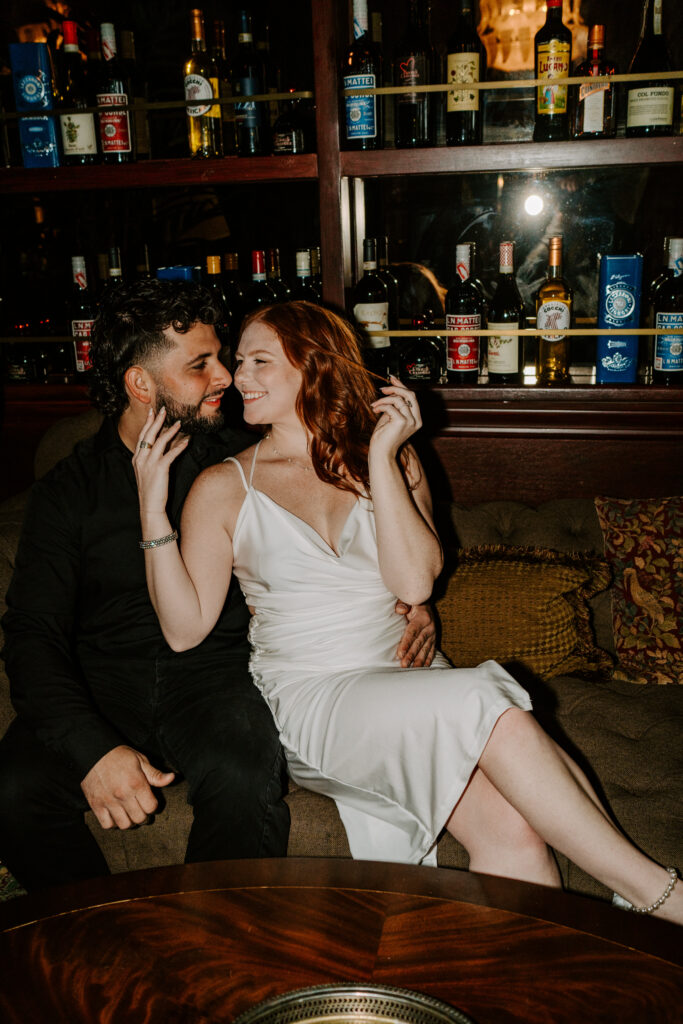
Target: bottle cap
x=369 y=252
x=231 y=260
x=555 y=251
x=462 y=261
x=70 y=32
x=303 y=263
x=258 y=261
x=213 y=264
x=197 y=19
x=108 y=40
x=507 y=250
x=596 y=37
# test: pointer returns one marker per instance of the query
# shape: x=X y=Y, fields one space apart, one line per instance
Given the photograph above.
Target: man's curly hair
x=129 y=330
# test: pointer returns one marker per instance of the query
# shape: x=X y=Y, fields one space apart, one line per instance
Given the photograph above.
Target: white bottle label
x=553 y=316
x=593 y=100
x=503 y=350
x=650 y=105
x=78 y=134
x=199 y=88
x=373 y=316
x=462 y=67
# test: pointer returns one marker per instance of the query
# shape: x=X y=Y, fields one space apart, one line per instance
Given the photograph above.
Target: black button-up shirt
x=80 y=622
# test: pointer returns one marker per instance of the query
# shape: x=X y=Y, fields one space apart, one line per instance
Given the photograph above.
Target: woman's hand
x=400 y=418
x=155 y=450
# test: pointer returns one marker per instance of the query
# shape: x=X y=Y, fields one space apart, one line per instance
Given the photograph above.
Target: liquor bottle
x=79 y=133
x=117 y=140
x=235 y=290
x=554 y=312
x=82 y=314
x=506 y=351
x=225 y=327
x=370 y=306
x=251 y=118
x=553 y=56
x=114 y=270
x=464 y=314
x=280 y=288
x=362 y=69
x=594 y=106
x=204 y=129
x=303 y=287
x=316 y=271
x=650 y=104
x=139 y=92
x=668 y=315
x=143 y=266
x=466 y=62
x=412 y=120
x=421 y=359
x=290 y=129
x=259 y=293
x=220 y=59
x=389 y=279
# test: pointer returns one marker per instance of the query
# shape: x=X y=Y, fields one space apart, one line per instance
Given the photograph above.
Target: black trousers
x=211 y=725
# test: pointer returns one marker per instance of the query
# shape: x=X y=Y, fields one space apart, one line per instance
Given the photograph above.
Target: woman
x=325 y=522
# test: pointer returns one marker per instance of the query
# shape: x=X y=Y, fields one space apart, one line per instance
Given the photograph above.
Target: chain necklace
x=293 y=462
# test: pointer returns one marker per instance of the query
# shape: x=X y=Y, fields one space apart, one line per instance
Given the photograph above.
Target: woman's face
x=265 y=378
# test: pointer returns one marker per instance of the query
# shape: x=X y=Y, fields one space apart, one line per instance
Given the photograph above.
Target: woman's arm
x=187 y=587
x=410 y=555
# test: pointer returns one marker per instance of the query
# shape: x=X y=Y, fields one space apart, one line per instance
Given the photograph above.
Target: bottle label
x=34 y=90
x=669 y=347
x=462 y=67
x=412 y=72
x=361 y=111
x=503 y=350
x=620 y=303
x=552 y=62
x=248 y=114
x=81 y=330
x=291 y=141
x=650 y=106
x=78 y=134
x=373 y=316
x=199 y=88
x=553 y=316
x=115 y=134
x=462 y=353
x=592 y=99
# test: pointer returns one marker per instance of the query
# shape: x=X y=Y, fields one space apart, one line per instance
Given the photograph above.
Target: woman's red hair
x=335 y=400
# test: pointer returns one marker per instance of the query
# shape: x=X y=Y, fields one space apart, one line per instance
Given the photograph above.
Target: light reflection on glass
x=533 y=204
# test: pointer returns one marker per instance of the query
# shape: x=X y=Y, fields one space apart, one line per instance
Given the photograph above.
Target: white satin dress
x=393 y=747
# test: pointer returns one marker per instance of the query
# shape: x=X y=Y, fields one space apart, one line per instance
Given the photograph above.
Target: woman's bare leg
x=498 y=839
x=549 y=792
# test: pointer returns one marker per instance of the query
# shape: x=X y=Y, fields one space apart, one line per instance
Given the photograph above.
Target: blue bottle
x=619 y=291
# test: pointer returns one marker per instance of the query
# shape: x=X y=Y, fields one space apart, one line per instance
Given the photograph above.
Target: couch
x=626 y=736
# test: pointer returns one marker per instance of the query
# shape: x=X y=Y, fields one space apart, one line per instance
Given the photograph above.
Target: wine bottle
x=280 y=288
x=553 y=312
x=251 y=119
x=594 y=106
x=204 y=128
x=668 y=315
x=79 y=134
x=421 y=360
x=412 y=67
x=553 y=56
x=139 y=93
x=370 y=305
x=650 y=103
x=464 y=315
x=259 y=293
x=316 y=271
x=225 y=326
x=384 y=271
x=220 y=59
x=114 y=270
x=466 y=62
x=235 y=290
x=362 y=70
x=303 y=286
x=117 y=141
x=506 y=351
x=290 y=128
x=82 y=314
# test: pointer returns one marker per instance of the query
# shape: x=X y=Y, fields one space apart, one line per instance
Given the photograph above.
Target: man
x=106 y=712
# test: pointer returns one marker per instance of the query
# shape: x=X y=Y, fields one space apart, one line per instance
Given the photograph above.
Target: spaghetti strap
x=244 y=479
x=253 y=462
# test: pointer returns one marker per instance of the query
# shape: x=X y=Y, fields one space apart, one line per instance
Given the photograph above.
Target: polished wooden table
x=204 y=942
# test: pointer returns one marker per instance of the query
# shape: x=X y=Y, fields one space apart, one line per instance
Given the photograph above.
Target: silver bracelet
x=160 y=541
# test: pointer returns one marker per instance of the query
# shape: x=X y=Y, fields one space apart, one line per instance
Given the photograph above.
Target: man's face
x=190 y=379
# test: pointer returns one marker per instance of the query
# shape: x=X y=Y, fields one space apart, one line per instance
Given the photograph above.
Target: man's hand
x=418 y=642
x=118 y=788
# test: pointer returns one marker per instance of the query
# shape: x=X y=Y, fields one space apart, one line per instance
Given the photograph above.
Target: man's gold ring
x=145 y=444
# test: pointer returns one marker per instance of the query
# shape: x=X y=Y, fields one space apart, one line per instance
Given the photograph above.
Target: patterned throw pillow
x=644 y=545
x=526 y=608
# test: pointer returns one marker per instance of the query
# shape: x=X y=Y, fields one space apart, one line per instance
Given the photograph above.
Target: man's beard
x=191 y=419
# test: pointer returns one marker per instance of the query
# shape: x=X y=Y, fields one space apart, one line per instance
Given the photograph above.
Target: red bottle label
x=81 y=330
x=463 y=349
x=114 y=124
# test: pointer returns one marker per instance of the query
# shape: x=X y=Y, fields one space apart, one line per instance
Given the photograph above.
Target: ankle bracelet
x=665 y=895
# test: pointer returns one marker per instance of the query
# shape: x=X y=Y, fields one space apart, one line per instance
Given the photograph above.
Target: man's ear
x=139 y=385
